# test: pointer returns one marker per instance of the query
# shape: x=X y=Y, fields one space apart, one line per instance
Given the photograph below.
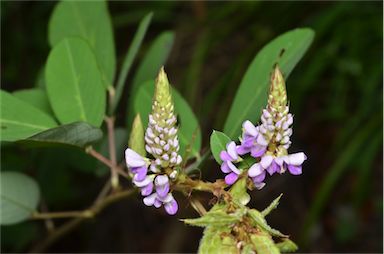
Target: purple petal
x=171 y=207
x=150 y=200
x=231 y=149
x=295 y=170
x=266 y=161
x=162 y=185
x=258 y=151
x=273 y=168
x=233 y=167
x=242 y=149
x=224 y=156
x=259 y=178
x=231 y=178
x=157 y=203
x=249 y=128
x=133 y=159
x=261 y=140
x=225 y=168
x=140 y=173
x=255 y=170
x=295 y=159
x=143 y=183
x=146 y=190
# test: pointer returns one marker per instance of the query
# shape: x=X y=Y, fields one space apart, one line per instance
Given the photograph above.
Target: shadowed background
x=335 y=93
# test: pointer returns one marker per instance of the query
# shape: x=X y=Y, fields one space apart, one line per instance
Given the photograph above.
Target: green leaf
x=287 y=246
x=20 y=120
x=259 y=220
x=264 y=244
x=74 y=85
x=251 y=96
x=90 y=21
x=78 y=134
x=218 y=143
x=149 y=67
x=217 y=240
x=239 y=191
x=129 y=57
x=36 y=97
x=216 y=218
x=189 y=129
x=19 y=197
x=272 y=206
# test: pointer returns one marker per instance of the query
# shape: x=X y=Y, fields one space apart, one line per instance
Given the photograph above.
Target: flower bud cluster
x=267 y=142
x=154 y=175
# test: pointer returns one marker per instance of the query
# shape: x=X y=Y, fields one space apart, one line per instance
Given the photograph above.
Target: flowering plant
x=79 y=102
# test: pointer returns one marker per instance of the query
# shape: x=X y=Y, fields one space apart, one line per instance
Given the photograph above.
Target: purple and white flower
x=252 y=141
x=229 y=157
x=157 y=201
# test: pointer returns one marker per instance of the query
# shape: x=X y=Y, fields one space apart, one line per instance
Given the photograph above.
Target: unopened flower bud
x=161 y=135
x=136 y=138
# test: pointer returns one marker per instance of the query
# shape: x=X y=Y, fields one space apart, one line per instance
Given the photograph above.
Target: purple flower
x=257 y=173
x=252 y=141
x=228 y=157
x=137 y=164
x=162 y=185
x=271 y=164
x=146 y=186
x=168 y=201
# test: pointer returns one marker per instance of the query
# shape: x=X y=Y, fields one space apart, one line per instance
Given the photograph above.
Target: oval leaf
x=36 y=97
x=74 y=84
x=90 y=21
x=218 y=143
x=76 y=134
x=189 y=129
x=251 y=96
x=20 y=120
x=19 y=197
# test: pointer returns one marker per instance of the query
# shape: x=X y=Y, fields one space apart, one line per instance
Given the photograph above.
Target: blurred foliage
x=335 y=94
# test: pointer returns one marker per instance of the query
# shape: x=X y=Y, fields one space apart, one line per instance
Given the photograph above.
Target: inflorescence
x=266 y=143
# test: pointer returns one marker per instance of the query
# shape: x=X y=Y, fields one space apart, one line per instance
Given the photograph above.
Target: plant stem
x=98 y=156
x=110 y=120
x=198 y=206
x=92 y=211
x=61 y=215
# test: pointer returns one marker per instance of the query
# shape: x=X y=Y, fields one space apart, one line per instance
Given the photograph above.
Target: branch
x=96 y=208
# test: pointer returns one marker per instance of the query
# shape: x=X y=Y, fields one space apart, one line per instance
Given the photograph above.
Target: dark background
x=335 y=93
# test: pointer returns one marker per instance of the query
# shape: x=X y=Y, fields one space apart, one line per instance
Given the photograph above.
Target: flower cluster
x=267 y=142
x=154 y=175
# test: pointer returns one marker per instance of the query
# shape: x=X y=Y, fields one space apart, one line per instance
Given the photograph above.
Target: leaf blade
x=91 y=22
x=20 y=120
x=19 y=197
x=78 y=134
x=74 y=85
x=218 y=142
